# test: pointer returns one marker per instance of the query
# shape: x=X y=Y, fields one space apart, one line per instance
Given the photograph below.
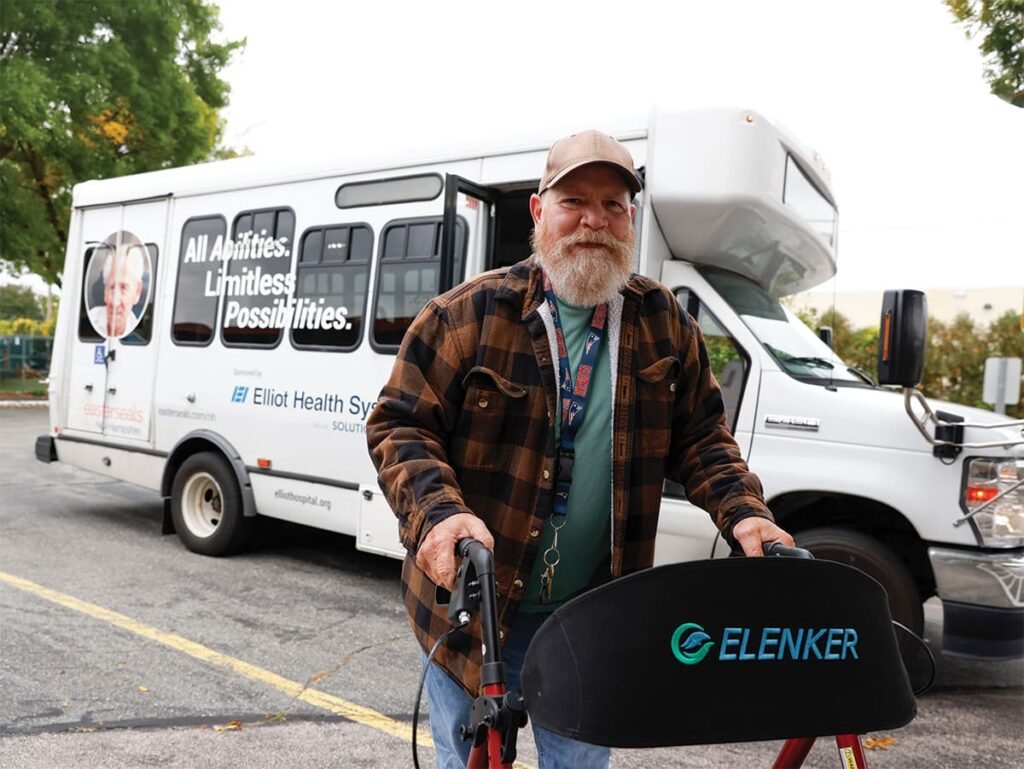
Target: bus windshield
x=797 y=349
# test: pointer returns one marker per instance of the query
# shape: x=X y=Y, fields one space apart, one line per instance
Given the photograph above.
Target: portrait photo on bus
x=117 y=285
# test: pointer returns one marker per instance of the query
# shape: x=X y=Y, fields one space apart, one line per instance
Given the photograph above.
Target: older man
x=124 y=265
x=539 y=409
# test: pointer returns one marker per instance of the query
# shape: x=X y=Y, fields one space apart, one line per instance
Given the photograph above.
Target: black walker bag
x=728 y=650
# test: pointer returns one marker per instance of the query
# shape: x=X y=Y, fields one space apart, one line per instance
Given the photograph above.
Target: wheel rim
x=202 y=505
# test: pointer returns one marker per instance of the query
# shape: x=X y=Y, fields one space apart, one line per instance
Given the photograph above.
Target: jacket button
x=546 y=475
x=501 y=635
x=518 y=584
x=534 y=533
x=672 y=387
x=483 y=403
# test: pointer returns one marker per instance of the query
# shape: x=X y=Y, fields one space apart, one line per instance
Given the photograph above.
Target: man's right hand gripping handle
x=436 y=553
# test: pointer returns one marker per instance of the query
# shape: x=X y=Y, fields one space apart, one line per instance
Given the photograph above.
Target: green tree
x=955 y=361
x=92 y=90
x=19 y=302
x=1006 y=336
x=1005 y=339
x=1002 y=24
x=857 y=347
x=955 y=354
x=25 y=326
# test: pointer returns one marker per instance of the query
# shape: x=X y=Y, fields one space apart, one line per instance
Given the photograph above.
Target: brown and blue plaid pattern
x=464 y=424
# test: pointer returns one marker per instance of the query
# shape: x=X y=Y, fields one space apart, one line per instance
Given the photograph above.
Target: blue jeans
x=450 y=708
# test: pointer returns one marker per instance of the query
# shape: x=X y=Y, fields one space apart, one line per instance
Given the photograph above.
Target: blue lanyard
x=573 y=397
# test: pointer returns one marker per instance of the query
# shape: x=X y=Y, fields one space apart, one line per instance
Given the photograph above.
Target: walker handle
x=778 y=549
x=478 y=555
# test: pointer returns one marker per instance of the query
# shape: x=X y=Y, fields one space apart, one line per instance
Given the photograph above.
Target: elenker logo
x=695 y=647
x=690 y=644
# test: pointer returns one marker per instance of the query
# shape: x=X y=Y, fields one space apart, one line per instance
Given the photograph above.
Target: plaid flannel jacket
x=465 y=424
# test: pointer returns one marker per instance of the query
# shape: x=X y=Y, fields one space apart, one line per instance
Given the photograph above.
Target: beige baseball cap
x=584 y=148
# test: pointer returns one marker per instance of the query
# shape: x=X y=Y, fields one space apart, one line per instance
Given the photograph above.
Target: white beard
x=581 y=276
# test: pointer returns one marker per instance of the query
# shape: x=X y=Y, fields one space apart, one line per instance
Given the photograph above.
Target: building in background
x=863 y=308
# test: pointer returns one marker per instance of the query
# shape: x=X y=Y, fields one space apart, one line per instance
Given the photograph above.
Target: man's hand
x=752 y=532
x=436 y=554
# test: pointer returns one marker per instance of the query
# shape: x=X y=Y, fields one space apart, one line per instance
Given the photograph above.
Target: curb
x=23 y=404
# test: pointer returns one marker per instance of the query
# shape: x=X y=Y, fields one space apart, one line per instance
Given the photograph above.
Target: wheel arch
x=798 y=511
x=196 y=442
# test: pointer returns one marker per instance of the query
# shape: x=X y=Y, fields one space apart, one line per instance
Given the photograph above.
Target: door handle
x=88 y=388
x=112 y=390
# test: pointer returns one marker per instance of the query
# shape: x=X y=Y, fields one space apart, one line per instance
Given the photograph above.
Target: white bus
x=226 y=328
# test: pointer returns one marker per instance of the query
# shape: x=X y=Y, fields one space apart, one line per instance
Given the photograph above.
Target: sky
x=927 y=166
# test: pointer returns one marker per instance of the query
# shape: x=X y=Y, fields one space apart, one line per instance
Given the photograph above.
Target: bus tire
x=206 y=505
x=853 y=548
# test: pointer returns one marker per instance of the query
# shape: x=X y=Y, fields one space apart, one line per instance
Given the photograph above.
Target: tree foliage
x=954 y=368
x=955 y=361
x=1001 y=22
x=27 y=327
x=92 y=90
x=19 y=302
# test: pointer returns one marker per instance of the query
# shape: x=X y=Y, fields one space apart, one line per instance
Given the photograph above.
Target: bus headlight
x=996 y=487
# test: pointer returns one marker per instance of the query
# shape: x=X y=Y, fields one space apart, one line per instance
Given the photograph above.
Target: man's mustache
x=591 y=239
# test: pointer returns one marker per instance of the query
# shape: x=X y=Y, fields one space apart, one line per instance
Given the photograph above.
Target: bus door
x=118 y=295
x=87 y=367
x=462 y=196
x=131 y=369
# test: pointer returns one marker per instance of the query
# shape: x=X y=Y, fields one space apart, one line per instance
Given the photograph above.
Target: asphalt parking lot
x=119 y=648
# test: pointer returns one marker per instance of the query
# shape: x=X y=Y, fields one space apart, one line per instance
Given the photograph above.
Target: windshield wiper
x=863 y=375
x=811 y=360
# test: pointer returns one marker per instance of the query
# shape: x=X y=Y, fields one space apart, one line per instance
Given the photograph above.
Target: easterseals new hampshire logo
x=690 y=644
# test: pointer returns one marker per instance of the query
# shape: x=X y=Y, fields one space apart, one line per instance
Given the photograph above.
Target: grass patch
x=15 y=387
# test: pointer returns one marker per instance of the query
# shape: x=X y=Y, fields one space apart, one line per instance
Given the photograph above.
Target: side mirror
x=901 y=338
x=825 y=335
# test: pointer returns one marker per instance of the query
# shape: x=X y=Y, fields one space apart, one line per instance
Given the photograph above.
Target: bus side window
x=144 y=331
x=729 y=363
x=196 y=292
x=263 y=246
x=333 y=273
x=91 y=295
x=407 y=276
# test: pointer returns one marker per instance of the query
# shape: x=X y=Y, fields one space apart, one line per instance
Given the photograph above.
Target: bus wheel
x=876 y=560
x=206 y=504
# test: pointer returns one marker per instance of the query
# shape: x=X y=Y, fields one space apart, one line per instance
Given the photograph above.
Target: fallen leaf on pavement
x=883 y=742
x=230 y=726
x=143 y=689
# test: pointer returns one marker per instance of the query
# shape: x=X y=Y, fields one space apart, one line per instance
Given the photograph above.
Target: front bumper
x=982 y=594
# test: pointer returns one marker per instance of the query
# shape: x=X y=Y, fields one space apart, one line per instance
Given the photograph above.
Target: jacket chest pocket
x=493 y=421
x=656 y=393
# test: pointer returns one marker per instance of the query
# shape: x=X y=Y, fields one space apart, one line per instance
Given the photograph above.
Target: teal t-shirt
x=583 y=541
